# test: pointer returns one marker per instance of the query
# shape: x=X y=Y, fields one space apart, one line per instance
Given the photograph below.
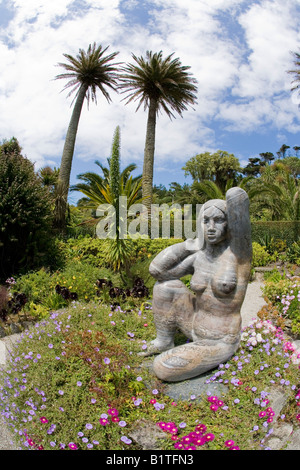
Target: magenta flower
x=73 y=446
x=43 y=419
x=229 y=443
x=214 y=407
x=113 y=412
x=103 y=421
x=209 y=437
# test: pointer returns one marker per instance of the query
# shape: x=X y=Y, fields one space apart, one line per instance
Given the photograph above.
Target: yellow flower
x=70 y=287
x=74 y=277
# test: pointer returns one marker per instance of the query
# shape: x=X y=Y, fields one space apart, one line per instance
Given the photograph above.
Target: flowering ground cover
x=75 y=381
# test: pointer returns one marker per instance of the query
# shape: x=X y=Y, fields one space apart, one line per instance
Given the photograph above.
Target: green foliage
x=25 y=216
x=284 y=293
x=218 y=167
x=260 y=255
x=278 y=230
x=78 y=277
x=278 y=287
x=293 y=253
x=93 y=250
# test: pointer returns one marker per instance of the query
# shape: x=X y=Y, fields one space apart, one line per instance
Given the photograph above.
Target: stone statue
x=219 y=260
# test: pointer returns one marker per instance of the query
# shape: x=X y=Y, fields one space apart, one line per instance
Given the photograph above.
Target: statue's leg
x=173 y=308
x=192 y=359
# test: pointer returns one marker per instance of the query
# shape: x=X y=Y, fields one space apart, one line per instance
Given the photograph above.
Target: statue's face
x=215 y=225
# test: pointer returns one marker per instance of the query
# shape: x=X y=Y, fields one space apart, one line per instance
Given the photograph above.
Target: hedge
x=278 y=230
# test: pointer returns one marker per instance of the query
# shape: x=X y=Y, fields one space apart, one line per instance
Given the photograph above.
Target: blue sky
x=239 y=51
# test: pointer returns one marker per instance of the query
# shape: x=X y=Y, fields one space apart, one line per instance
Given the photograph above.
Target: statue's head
x=212 y=223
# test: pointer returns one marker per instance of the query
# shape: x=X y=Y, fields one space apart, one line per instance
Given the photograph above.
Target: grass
x=75 y=381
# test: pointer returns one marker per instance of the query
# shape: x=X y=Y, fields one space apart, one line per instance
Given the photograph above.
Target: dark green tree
x=218 y=167
x=25 y=214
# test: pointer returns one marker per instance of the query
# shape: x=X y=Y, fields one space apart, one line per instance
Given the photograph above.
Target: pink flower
x=262 y=414
x=73 y=446
x=113 y=412
x=103 y=421
x=209 y=437
x=229 y=443
x=214 y=407
x=200 y=427
x=43 y=420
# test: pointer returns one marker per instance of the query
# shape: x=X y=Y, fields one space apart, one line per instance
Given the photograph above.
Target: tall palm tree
x=160 y=85
x=87 y=72
x=296 y=72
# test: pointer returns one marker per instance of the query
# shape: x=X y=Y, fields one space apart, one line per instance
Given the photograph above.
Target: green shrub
x=78 y=277
x=293 y=253
x=275 y=290
x=260 y=255
x=25 y=216
x=36 y=285
x=93 y=250
x=278 y=230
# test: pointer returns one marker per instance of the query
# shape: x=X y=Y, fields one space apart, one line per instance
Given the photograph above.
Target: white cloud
x=271 y=32
x=237 y=50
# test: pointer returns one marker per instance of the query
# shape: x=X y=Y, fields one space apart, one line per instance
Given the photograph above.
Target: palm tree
x=87 y=72
x=160 y=85
x=296 y=72
x=277 y=193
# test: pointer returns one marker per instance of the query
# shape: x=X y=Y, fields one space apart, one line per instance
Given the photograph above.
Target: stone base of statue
x=219 y=260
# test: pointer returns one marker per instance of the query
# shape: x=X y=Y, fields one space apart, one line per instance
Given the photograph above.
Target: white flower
x=259 y=337
x=253 y=341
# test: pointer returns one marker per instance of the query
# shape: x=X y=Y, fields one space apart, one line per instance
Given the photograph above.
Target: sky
x=239 y=52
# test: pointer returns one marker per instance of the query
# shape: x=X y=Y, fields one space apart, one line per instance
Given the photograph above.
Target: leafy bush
x=94 y=250
x=275 y=290
x=278 y=230
x=25 y=216
x=260 y=255
x=293 y=253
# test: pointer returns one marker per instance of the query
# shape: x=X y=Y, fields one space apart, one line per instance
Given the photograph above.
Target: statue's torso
x=220 y=289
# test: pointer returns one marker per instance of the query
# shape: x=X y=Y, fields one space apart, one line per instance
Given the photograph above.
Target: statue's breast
x=224 y=282
x=220 y=276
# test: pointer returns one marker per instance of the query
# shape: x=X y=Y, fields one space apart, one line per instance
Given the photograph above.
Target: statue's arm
x=239 y=227
x=174 y=261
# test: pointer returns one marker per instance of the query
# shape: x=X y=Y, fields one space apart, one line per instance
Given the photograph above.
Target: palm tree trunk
x=147 y=184
x=66 y=162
